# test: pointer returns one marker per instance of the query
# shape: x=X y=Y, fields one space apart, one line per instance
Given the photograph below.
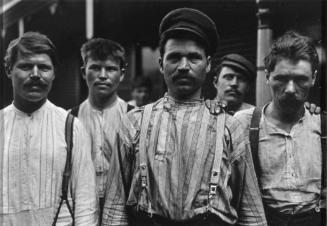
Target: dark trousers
x=143 y=219
x=101 y=205
x=310 y=218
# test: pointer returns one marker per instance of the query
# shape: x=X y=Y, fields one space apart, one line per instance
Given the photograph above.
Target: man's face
x=184 y=65
x=32 y=77
x=141 y=95
x=231 y=85
x=290 y=83
x=103 y=76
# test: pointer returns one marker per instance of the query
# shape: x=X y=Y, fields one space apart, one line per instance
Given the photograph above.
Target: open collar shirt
x=32 y=160
x=290 y=162
x=96 y=123
x=181 y=146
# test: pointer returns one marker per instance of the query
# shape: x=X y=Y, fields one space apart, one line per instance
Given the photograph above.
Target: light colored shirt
x=96 y=122
x=180 y=154
x=33 y=157
x=290 y=162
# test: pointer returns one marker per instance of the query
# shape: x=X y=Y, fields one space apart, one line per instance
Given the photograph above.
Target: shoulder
x=244 y=116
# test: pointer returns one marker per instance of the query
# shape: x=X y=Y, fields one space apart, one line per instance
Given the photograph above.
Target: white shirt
x=101 y=124
x=32 y=161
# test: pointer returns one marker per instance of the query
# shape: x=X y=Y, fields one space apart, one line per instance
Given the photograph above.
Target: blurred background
x=246 y=27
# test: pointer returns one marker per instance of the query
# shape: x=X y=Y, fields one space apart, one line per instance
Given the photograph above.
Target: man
x=287 y=149
x=233 y=76
x=34 y=149
x=104 y=68
x=177 y=164
x=141 y=91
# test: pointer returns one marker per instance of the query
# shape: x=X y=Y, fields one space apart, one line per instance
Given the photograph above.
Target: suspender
x=143 y=157
x=254 y=140
x=215 y=172
x=254 y=143
x=75 y=110
x=324 y=150
x=64 y=187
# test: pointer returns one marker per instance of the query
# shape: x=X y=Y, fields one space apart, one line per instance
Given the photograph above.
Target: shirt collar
x=170 y=102
x=34 y=113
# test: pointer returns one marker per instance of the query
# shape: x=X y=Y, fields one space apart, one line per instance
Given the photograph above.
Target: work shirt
x=180 y=153
x=290 y=162
x=32 y=162
x=96 y=122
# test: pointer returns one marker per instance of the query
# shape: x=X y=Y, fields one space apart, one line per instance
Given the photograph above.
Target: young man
x=103 y=70
x=287 y=148
x=177 y=164
x=33 y=147
x=234 y=74
x=141 y=91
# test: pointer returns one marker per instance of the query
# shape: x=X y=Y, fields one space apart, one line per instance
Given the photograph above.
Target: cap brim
x=238 y=66
x=186 y=29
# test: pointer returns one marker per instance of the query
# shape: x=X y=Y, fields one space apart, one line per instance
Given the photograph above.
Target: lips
x=233 y=92
x=106 y=84
x=182 y=79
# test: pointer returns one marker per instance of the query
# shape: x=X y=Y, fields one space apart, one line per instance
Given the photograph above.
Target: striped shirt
x=290 y=162
x=96 y=122
x=33 y=157
x=180 y=153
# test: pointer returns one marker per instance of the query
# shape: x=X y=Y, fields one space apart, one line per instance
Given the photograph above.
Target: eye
x=44 y=67
x=25 y=67
x=111 y=69
x=228 y=77
x=194 y=57
x=95 y=68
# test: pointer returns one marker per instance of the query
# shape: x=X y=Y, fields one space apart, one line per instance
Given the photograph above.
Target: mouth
x=233 y=93
x=183 y=79
x=102 y=84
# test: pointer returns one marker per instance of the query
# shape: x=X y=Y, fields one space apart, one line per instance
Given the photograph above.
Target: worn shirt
x=290 y=162
x=96 y=122
x=33 y=157
x=180 y=153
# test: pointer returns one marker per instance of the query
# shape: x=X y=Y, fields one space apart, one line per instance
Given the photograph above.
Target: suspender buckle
x=143 y=181
x=212 y=190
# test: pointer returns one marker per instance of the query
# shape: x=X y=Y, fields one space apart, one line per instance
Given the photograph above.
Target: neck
x=28 y=107
x=186 y=98
x=288 y=118
x=102 y=102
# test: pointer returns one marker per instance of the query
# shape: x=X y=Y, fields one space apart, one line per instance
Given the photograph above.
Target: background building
x=245 y=26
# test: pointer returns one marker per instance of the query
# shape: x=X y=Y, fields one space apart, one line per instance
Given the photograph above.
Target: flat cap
x=237 y=61
x=194 y=21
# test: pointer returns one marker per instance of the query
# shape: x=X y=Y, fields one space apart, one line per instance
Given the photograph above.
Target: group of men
x=177 y=161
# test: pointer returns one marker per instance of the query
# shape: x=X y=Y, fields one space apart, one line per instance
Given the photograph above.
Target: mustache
x=289 y=100
x=182 y=76
x=39 y=83
x=103 y=83
x=234 y=90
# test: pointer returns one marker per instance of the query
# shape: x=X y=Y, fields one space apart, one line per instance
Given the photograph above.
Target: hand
x=214 y=106
x=313 y=109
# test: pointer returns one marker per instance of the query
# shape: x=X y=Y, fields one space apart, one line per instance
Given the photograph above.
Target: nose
x=290 y=87
x=102 y=73
x=35 y=72
x=234 y=81
x=183 y=65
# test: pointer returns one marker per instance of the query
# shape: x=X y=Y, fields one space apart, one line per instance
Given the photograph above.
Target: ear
x=83 y=72
x=208 y=64
x=160 y=65
x=314 y=77
x=267 y=76
x=122 y=74
x=215 y=81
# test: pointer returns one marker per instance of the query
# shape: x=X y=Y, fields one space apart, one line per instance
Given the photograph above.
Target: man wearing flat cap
x=178 y=164
x=232 y=79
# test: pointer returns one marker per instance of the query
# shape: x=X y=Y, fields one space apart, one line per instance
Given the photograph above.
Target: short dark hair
x=294 y=47
x=180 y=35
x=142 y=81
x=28 y=44
x=101 y=49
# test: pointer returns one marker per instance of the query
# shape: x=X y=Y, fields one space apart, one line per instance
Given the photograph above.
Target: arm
x=118 y=186
x=83 y=178
x=246 y=193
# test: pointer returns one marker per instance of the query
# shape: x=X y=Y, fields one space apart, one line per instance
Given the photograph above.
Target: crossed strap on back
x=68 y=168
x=215 y=172
x=254 y=143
